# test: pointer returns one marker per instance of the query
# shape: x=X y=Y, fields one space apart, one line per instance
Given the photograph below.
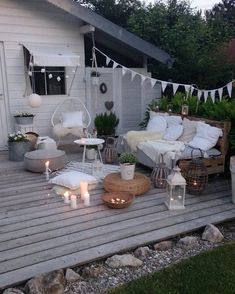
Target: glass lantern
x=159 y=174
x=176 y=186
x=184 y=109
x=170 y=108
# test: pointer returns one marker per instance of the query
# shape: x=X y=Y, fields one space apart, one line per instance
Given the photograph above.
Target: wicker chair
x=66 y=106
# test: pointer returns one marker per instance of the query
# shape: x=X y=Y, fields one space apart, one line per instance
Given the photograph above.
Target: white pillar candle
x=83 y=188
x=47 y=172
x=66 y=197
x=73 y=201
x=87 y=199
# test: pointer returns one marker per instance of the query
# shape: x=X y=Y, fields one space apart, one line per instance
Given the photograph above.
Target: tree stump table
x=139 y=185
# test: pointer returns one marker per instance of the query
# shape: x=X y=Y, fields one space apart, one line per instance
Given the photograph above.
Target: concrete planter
x=17 y=150
x=24 y=120
x=127 y=171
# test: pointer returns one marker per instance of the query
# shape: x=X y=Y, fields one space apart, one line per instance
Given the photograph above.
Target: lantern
x=159 y=174
x=184 y=109
x=196 y=175
x=169 y=107
x=34 y=100
x=176 y=186
x=110 y=152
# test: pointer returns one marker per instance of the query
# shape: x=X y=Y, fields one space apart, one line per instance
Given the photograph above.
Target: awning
x=44 y=55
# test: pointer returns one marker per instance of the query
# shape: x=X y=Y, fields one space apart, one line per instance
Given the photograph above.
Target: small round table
x=139 y=185
x=89 y=142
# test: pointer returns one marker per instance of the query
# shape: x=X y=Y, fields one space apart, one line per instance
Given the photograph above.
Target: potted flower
x=95 y=78
x=18 y=145
x=24 y=118
x=91 y=151
x=127 y=165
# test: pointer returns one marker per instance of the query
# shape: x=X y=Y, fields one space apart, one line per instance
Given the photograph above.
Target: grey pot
x=24 y=120
x=17 y=150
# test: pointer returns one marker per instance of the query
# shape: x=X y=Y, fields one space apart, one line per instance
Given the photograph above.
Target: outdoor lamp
x=169 y=108
x=184 y=109
x=159 y=174
x=34 y=100
x=176 y=186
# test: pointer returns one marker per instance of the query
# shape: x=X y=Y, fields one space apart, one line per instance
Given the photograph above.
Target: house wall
x=130 y=97
x=28 y=21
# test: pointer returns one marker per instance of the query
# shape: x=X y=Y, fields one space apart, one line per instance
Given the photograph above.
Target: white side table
x=88 y=142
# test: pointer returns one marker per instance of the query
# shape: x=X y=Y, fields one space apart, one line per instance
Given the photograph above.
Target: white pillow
x=189 y=130
x=157 y=124
x=72 y=179
x=206 y=136
x=173 y=133
x=155 y=113
x=173 y=120
x=72 y=119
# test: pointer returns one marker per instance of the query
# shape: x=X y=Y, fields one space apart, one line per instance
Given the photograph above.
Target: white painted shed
x=56 y=23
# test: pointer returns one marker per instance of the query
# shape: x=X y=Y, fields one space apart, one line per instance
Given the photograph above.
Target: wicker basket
x=122 y=196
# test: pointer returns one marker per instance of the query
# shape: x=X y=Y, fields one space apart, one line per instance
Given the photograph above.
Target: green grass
x=212 y=272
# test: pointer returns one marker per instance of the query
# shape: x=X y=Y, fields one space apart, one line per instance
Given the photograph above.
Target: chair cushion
x=189 y=130
x=157 y=124
x=173 y=132
x=72 y=119
x=35 y=160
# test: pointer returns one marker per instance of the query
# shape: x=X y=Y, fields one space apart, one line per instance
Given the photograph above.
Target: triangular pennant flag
x=143 y=78
x=229 y=88
x=164 y=84
x=115 y=64
x=107 y=60
x=133 y=74
x=124 y=70
x=205 y=95
x=213 y=95
x=187 y=88
x=175 y=88
x=199 y=94
x=220 y=91
x=153 y=82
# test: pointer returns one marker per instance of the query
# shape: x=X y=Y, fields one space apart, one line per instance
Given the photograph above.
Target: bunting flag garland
x=188 y=88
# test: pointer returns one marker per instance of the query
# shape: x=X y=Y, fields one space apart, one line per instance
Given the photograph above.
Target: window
x=48 y=80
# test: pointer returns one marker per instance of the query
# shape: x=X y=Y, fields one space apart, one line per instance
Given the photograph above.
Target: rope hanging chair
x=70 y=117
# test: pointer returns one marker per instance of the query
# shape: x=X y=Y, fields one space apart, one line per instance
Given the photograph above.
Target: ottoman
x=34 y=161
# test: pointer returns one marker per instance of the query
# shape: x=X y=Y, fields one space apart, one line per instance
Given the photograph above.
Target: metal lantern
x=169 y=107
x=159 y=174
x=196 y=175
x=176 y=185
x=184 y=109
x=110 y=152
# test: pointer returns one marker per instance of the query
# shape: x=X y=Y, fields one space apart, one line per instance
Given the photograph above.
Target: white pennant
x=220 y=91
x=205 y=95
x=187 y=88
x=133 y=74
x=229 y=88
x=199 y=94
x=213 y=95
x=153 y=82
x=107 y=60
x=175 y=87
x=164 y=84
x=124 y=70
x=143 y=78
x=115 y=64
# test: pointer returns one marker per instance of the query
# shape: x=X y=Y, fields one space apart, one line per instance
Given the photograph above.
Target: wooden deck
x=39 y=233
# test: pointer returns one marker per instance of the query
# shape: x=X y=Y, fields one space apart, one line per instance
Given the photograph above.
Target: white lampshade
x=34 y=100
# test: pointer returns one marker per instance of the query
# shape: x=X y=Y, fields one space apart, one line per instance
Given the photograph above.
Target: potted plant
x=95 y=78
x=91 y=151
x=18 y=145
x=127 y=165
x=24 y=118
x=106 y=124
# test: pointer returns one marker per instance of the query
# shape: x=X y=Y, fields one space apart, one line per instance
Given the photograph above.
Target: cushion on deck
x=35 y=160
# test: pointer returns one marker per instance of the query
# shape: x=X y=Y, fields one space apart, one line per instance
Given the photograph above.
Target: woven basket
x=139 y=185
x=128 y=197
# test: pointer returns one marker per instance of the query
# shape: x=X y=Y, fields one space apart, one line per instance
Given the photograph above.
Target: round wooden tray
x=128 y=197
x=139 y=185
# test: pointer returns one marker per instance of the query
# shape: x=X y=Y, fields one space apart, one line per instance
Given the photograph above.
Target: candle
x=83 y=188
x=86 y=199
x=47 y=172
x=73 y=201
x=66 y=197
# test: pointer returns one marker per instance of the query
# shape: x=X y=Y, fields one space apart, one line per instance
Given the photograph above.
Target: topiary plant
x=127 y=158
x=106 y=124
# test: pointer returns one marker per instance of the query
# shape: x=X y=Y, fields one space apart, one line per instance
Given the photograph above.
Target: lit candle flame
x=47 y=164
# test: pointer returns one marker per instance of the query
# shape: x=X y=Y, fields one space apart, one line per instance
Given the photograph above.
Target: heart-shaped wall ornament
x=108 y=105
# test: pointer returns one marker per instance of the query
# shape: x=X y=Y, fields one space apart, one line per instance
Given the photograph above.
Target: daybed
x=215 y=157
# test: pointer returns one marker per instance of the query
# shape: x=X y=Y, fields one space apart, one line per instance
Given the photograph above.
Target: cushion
x=72 y=119
x=72 y=179
x=206 y=136
x=173 y=132
x=157 y=124
x=173 y=120
x=189 y=130
x=187 y=153
x=154 y=113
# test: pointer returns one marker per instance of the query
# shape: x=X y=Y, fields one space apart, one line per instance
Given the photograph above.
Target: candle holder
x=159 y=174
x=73 y=201
x=184 y=109
x=170 y=108
x=66 y=197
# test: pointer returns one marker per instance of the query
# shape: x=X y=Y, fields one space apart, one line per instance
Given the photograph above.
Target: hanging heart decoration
x=108 y=105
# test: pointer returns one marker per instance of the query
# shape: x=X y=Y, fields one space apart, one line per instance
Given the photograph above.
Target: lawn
x=211 y=272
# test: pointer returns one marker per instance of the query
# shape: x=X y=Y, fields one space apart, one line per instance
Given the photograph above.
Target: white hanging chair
x=70 y=117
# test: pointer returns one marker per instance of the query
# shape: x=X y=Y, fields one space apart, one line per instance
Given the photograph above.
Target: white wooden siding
x=27 y=21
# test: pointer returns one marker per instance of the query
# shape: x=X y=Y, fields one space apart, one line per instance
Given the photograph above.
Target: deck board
x=39 y=233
